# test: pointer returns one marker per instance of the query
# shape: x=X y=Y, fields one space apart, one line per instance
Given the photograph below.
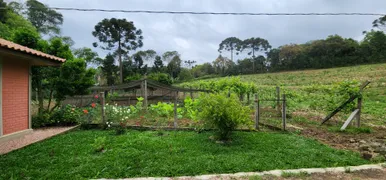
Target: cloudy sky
x=196 y=37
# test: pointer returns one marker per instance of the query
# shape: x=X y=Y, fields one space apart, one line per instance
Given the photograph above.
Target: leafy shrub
x=162 y=109
x=191 y=108
x=223 y=113
x=133 y=77
x=333 y=95
x=99 y=144
x=160 y=77
x=66 y=115
x=120 y=129
x=41 y=120
x=117 y=114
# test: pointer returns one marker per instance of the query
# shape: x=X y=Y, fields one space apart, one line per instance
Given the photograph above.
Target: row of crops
x=323 y=98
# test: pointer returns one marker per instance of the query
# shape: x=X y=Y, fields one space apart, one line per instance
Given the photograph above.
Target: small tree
x=223 y=113
x=174 y=67
x=158 y=64
x=109 y=69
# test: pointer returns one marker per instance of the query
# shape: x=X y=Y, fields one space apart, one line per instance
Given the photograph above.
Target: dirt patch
x=370 y=142
x=363 y=175
x=369 y=174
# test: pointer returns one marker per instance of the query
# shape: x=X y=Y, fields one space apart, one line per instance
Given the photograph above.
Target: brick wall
x=15 y=96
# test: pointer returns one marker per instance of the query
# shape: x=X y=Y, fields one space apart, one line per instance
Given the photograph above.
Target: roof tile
x=16 y=47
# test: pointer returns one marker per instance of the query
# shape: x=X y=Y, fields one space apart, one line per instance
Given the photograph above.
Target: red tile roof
x=16 y=47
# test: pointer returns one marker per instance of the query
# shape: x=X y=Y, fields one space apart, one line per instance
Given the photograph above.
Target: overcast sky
x=196 y=37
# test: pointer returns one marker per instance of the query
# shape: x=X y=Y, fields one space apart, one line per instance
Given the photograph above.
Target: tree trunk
x=49 y=100
x=120 y=62
x=253 y=59
x=232 y=54
x=56 y=105
x=40 y=97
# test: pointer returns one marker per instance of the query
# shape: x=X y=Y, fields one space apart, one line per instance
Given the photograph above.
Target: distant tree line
x=334 y=51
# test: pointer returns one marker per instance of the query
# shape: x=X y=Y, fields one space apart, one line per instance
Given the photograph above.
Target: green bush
x=41 y=120
x=133 y=77
x=223 y=113
x=160 y=77
x=67 y=115
x=99 y=144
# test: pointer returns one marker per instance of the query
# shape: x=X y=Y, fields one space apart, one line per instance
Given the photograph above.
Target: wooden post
x=278 y=98
x=102 y=95
x=257 y=113
x=145 y=94
x=175 y=110
x=284 y=112
x=358 y=117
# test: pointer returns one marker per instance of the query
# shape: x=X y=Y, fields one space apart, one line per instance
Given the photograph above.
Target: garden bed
x=167 y=153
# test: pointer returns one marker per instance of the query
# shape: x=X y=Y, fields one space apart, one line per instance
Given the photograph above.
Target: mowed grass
x=172 y=153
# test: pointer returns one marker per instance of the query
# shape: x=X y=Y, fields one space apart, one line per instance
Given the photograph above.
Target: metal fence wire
x=271 y=113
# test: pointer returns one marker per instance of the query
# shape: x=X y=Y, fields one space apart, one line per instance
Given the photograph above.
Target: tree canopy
x=118 y=35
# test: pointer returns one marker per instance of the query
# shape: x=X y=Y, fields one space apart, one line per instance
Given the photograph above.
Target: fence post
x=284 y=115
x=102 y=95
x=145 y=94
x=175 y=110
x=278 y=98
x=257 y=113
x=358 y=117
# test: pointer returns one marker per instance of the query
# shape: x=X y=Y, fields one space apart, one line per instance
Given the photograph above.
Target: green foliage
x=301 y=174
x=192 y=108
x=118 y=114
x=109 y=69
x=231 y=84
x=164 y=156
x=334 y=95
x=88 y=55
x=162 y=109
x=185 y=75
x=253 y=45
x=99 y=144
x=160 y=77
x=133 y=77
x=75 y=79
x=230 y=44
x=13 y=24
x=3 y=12
x=174 y=67
x=64 y=116
x=223 y=113
x=41 y=120
x=158 y=64
x=118 y=34
x=67 y=115
x=46 y=20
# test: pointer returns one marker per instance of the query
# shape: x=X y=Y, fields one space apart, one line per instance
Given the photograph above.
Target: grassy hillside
x=308 y=89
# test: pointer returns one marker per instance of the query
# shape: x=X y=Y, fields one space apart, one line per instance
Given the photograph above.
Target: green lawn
x=174 y=153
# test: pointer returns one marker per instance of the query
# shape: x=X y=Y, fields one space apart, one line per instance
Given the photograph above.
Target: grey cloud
x=197 y=37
